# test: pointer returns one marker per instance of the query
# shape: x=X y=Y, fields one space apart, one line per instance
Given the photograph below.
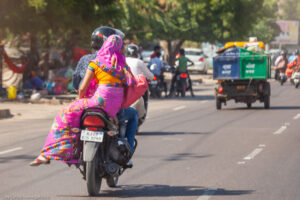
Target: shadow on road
x=186 y=156
x=18 y=157
x=135 y=191
x=145 y=133
x=131 y=191
x=262 y=108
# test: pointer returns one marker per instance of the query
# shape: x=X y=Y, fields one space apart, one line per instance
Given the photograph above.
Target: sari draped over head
x=111 y=60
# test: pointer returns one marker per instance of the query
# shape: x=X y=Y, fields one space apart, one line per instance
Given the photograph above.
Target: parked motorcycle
x=105 y=151
x=295 y=79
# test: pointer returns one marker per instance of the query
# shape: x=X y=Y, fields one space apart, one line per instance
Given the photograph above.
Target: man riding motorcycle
x=137 y=66
x=294 y=65
x=158 y=70
x=182 y=68
x=281 y=66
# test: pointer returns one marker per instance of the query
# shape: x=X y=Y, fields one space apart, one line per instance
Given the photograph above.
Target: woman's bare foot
x=39 y=160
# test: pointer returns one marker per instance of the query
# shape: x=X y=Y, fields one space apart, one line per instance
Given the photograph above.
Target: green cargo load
x=254 y=65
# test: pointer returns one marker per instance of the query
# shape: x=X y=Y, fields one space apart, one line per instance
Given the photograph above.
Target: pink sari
x=63 y=139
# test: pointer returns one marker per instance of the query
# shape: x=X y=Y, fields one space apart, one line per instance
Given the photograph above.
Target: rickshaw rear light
x=155 y=78
x=220 y=90
x=201 y=59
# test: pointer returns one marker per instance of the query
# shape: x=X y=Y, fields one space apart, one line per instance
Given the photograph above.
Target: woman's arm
x=85 y=83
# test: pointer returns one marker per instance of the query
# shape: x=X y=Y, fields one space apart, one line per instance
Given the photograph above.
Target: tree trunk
x=46 y=65
x=33 y=57
x=68 y=54
x=172 y=49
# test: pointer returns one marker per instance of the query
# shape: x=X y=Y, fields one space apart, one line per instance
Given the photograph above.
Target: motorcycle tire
x=92 y=179
x=249 y=105
x=218 y=104
x=112 y=181
x=297 y=85
x=267 y=102
x=281 y=82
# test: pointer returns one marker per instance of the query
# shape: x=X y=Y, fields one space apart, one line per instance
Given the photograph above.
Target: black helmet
x=100 y=34
x=132 y=50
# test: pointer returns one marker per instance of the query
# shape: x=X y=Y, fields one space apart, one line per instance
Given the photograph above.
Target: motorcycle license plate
x=153 y=82
x=92 y=136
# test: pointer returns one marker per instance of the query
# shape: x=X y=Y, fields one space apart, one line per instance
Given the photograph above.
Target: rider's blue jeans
x=131 y=115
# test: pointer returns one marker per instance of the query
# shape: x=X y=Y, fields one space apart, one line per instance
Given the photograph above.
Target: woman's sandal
x=38 y=161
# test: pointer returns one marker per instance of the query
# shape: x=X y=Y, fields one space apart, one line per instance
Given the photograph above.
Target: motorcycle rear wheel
x=93 y=180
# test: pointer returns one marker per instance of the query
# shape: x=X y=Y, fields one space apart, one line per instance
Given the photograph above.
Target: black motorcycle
x=156 y=87
x=105 y=152
x=181 y=84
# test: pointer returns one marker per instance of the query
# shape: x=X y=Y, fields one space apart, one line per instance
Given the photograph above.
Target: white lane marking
x=241 y=163
x=297 y=116
x=254 y=153
x=10 y=150
x=262 y=145
x=207 y=194
x=172 y=139
x=179 y=108
x=280 y=130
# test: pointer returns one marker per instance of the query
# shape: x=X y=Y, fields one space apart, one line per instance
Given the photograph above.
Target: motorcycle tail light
x=93 y=121
x=92 y=129
x=155 y=78
x=220 y=90
x=183 y=75
x=201 y=59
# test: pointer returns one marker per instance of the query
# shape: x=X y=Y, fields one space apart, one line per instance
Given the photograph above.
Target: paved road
x=187 y=150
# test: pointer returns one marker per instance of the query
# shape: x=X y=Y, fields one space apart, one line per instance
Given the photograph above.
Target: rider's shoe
x=129 y=164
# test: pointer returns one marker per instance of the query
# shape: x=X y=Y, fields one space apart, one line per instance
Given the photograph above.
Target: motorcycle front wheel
x=92 y=178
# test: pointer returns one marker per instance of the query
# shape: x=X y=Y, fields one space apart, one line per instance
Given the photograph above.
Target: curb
x=5 y=113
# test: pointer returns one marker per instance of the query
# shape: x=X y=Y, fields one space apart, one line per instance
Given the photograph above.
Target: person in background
x=34 y=82
x=137 y=66
x=182 y=68
x=294 y=65
x=158 y=71
x=156 y=50
x=281 y=64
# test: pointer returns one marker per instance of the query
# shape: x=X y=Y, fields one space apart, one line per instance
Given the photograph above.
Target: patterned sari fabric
x=63 y=140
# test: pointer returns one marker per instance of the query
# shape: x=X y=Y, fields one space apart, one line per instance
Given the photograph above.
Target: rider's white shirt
x=139 y=67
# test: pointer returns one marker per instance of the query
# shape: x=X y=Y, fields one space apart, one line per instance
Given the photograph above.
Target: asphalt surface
x=187 y=150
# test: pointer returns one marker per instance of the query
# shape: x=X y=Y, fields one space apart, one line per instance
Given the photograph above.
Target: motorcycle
x=295 y=79
x=181 y=84
x=282 y=78
x=104 y=151
x=155 y=87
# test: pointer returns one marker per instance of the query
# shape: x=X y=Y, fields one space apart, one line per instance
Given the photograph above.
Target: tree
x=70 y=22
x=175 y=21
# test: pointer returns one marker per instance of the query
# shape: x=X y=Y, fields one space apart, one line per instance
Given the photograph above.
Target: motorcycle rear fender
x=89 y=150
